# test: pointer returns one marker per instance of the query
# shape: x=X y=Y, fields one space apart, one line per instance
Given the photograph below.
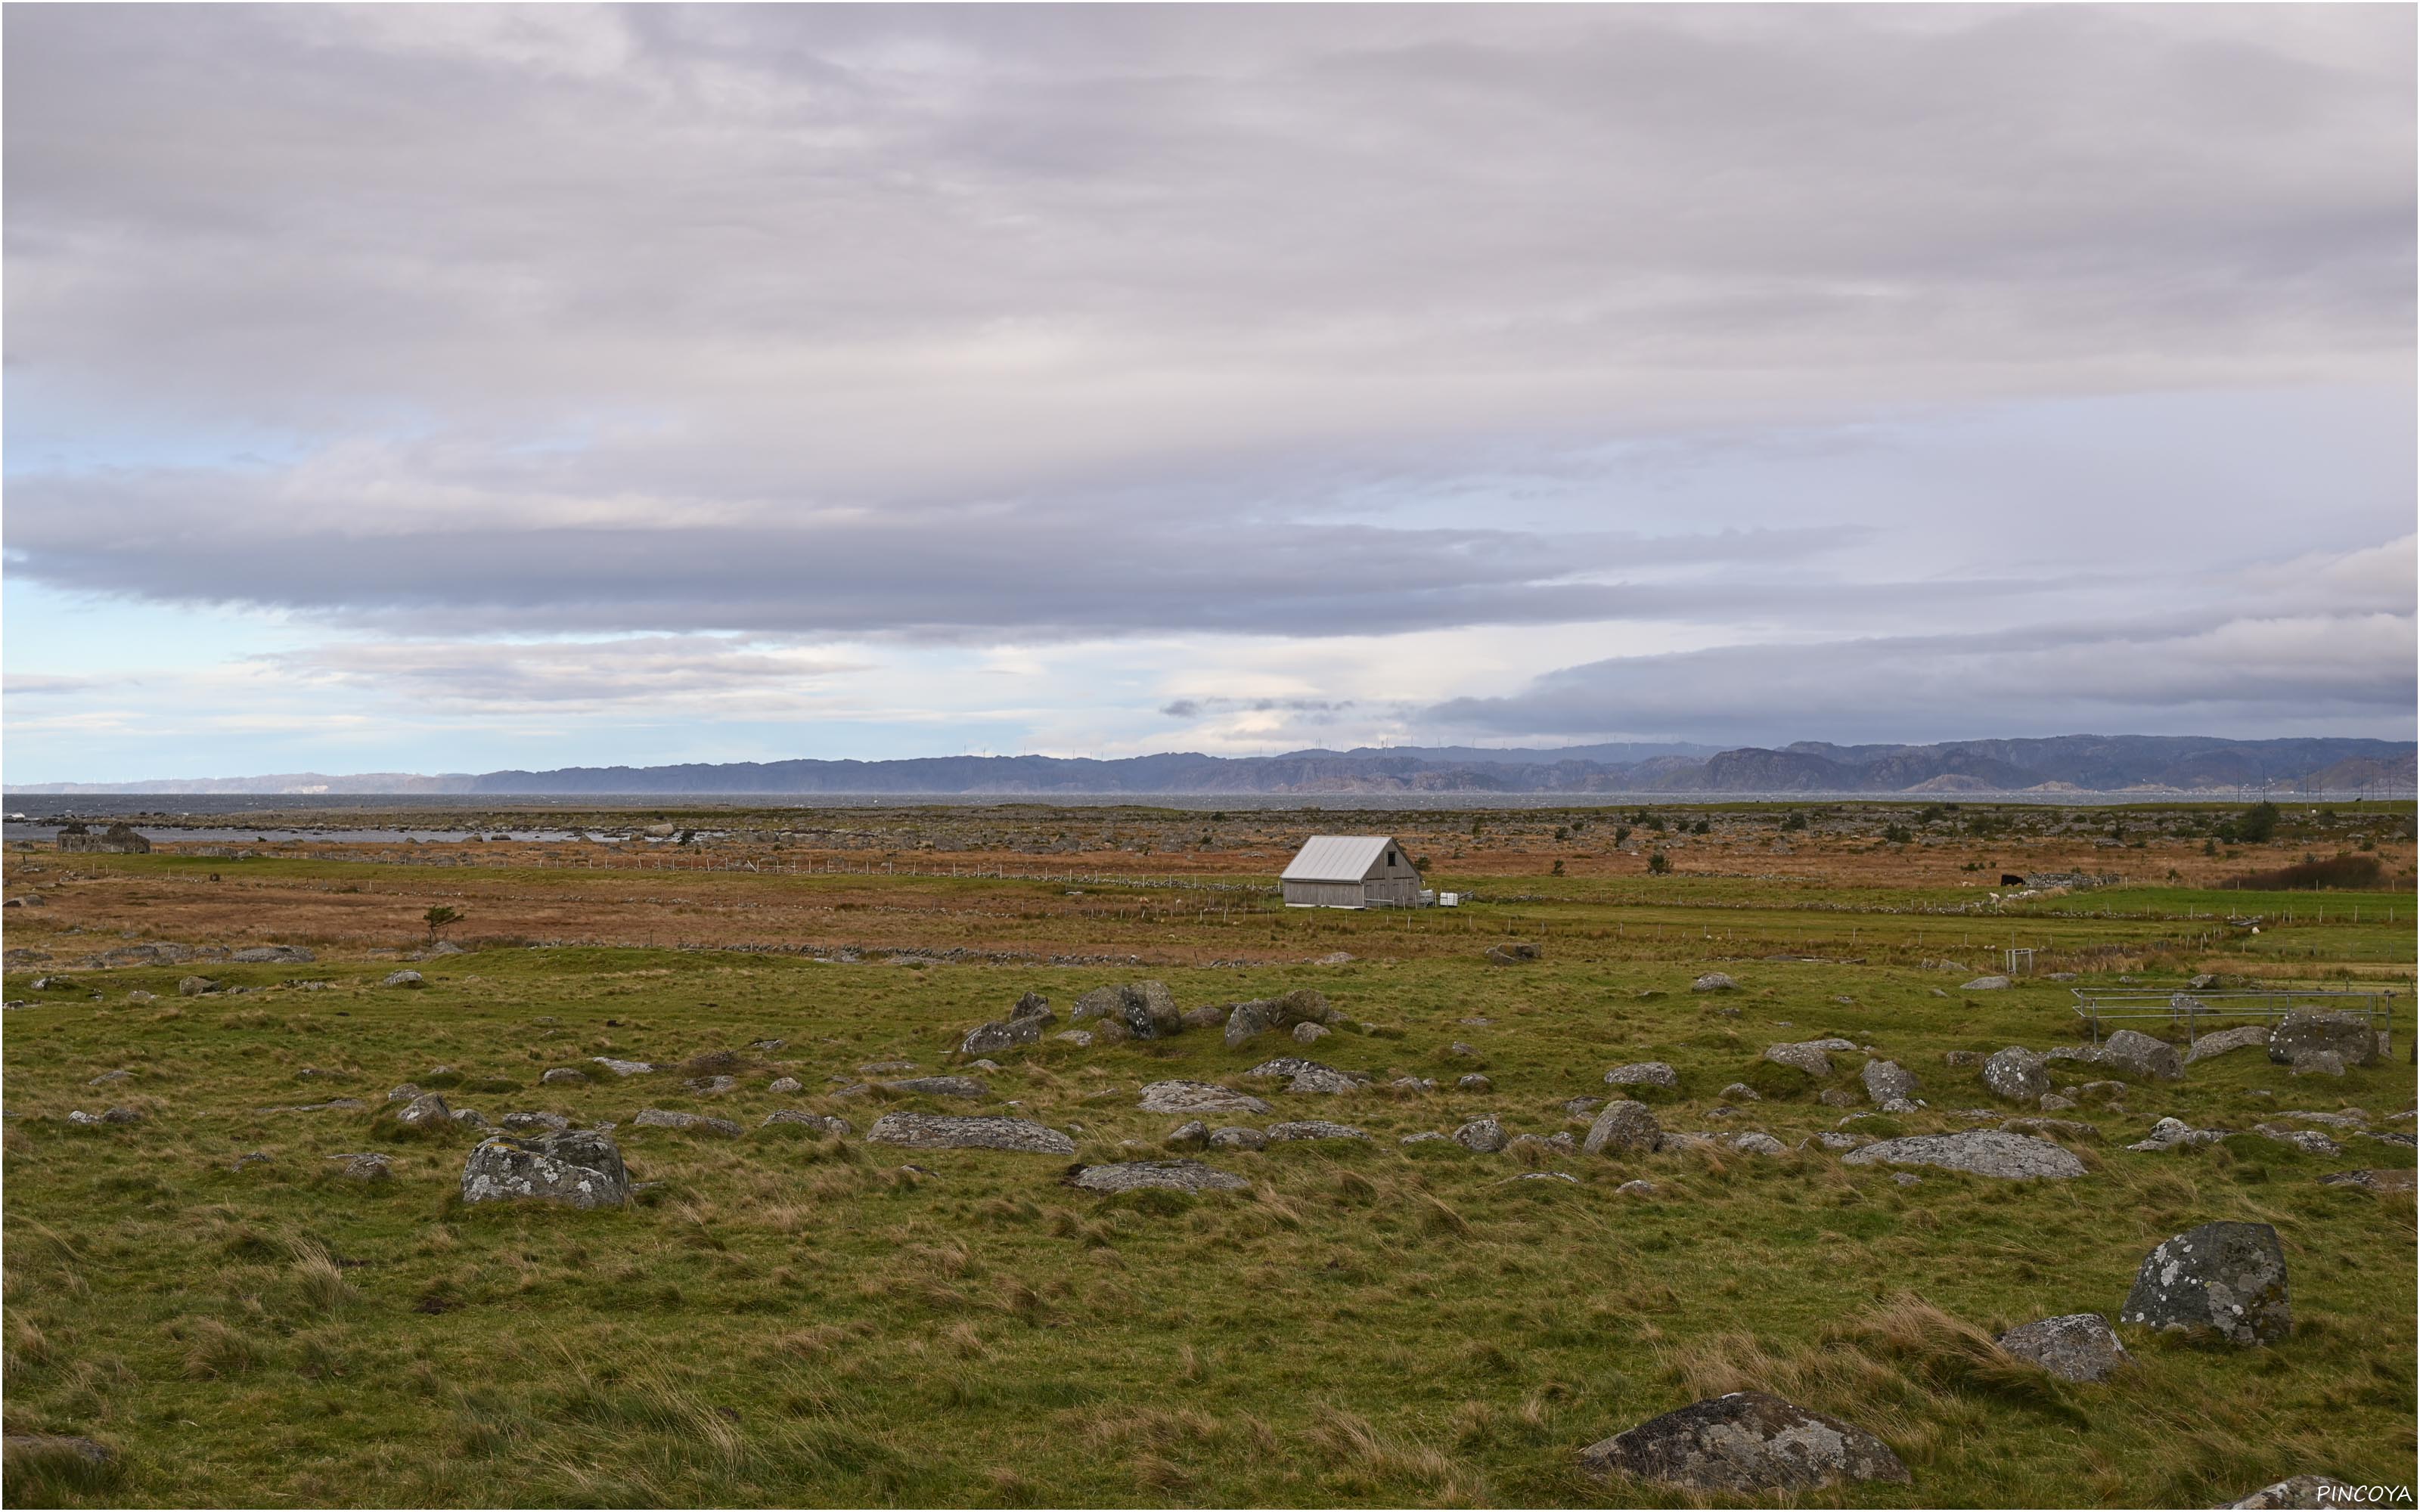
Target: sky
x=448 y=388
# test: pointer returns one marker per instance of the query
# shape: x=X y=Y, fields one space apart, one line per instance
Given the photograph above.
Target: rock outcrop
x=2077 y=1346
x=1977 y=1152
x=1167 y=1175
x=577 y=1168
x=2228 y=1277
x=950 y=1131
x=1744 y=1443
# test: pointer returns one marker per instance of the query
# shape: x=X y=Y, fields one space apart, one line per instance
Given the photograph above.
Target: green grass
x=788 y=1320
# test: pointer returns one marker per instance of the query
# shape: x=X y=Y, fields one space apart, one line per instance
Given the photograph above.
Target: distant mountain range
x=2084 y=764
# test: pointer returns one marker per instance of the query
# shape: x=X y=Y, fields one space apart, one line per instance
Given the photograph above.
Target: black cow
x=2009 y=879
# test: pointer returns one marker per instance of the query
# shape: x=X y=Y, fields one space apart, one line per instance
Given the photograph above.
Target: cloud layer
x=564 y=358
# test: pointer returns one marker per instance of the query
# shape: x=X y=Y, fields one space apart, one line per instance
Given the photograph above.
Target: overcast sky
x=442 y=388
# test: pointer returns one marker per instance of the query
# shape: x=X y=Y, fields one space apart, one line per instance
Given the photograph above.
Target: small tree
x=2258 y=825
x=1558 y=868
x=1658 y=864
x=439 y=919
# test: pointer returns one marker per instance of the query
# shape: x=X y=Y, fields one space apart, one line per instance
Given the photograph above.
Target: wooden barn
x=1351 y=872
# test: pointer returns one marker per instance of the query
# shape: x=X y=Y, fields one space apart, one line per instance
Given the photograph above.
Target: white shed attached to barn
x=1351 y=872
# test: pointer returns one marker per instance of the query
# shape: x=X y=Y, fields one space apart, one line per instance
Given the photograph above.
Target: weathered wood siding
x=1323 y=894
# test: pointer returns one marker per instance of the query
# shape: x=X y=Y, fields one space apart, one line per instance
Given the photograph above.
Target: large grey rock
x=1984 y=985
x=1309 y=1076
x=820 y=1122
x=2226 y=1040
x=1713 y=981
x=1888 y=1081
x=367 y=1167
x=1484 y=1136
x=2299 y=1492
x=623 y=1067
x=1976 y=1152
x=1310 y=1033
x=1022 y=1026
x=1624 y=1127
x=949 y=1131
x=2228 y=1277
x=1236 y=1136
x=687 y=1123
x=1192 y=1134
x=426 y=1109
x=1313 y=1129
x=280 y=954
x=1643 y=1073
x=1171 y=1175
x=1198 y=1097
x=2017 y=1074
x=1806 y=1057
x=404 y=978
x=194 y=986
x=2374 y=1180
x=1146 y=1009
x=560 y=1075
x=2299 y=1034
x=1744 y=1443
x=967 y=1087
x=2141 y=1058
x=580 y=1169
x=1304 y=1005
x=2077 y=1347
x=1756 y=1142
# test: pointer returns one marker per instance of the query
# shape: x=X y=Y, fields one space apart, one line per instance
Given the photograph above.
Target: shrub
x=1658 y=864
x=2341 y=870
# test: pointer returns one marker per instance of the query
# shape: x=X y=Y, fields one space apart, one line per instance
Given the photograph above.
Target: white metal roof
x=1336 y=857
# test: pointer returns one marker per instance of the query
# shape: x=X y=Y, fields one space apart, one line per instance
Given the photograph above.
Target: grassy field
x=783 y=1318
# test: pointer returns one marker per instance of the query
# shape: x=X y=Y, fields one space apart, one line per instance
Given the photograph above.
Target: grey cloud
x=660 y=671
x=1195 y=708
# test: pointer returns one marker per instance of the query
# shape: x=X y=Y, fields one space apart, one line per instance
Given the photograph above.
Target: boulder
x=2318 y=1063
x=711 y=1086
x=2346 y=1035
x=2017 y=1074
x=1977 y=1152
x=2226 y=1040
x=1473 y=1082
x=784 y=1085
x=946 y=1131
x=1643 y=1073
x=623 y=1067
x=2228 y=1277
x=2374 y=1180
x=1984 y=985
x=1624 y=1127
x=688 y=1122
x=967 y=1087
x=1304 y=1005
x=191 y=986
x=1239 y=1137
x=813 y=1120
x=1198 y=1097
x=1510 y=955
x=1168 y=1174
x=2169 y=1132
x=404 y=978
x=1484 y=1136
x=554 y=1121
x=1636 y=1189
x=1744 y=1443
x=1961 y=1057
x=1713 y=981
x=1078 y=1038
x=2077 y=1347
x=472 y=1117
x=1888 y=1081
x=1754 y=1143
x=1310 y=1033
x=581 y=1169
x=1002 y=1034
x=2301 y=1491
x=368 y=1167
x=1553 y=1144
x=558 y=1076
x=275 y=954
x=1192 y=1134
x=2140 y=1058
x=1313 y=1129
x=1309 y=1076
x=1809 y=1057
x=1146 y=1009
x=427 y=1108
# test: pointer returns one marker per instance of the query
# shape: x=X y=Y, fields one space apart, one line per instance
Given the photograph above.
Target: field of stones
x=886 y=1173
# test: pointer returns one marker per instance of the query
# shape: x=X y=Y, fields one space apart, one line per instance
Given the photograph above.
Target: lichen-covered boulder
x=1984 y=985
x=1977 y=1152
x=1023 y=1026
x=949 y=1131
x=1756 y=1142
x=1713 y=981
x=580 y=1168
x=2017 y=1074
x=687 y=1123
x=1888 y=1081
x=403 y=978
x=1304 y=1005
x=1146 y=1009
x=427 y=1110
x=1237 y=1137
x=2226 y=1040
x=1744 y=1444
x=1168 y=1174
x=1313 y=1129
x=1483 y=1136
x=1309 y=1076
x=1198 y=1097
x=2298 y=1491
x=1623 y=1128
x=1643 y=1073
x=2077 y=1347
x=2141 y=1058
x=2228 y=1277
x=2300 y=1034
x=1807 y=1057
x=1192 y=1134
